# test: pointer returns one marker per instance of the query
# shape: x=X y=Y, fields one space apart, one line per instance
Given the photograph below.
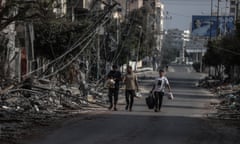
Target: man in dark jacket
x=113 y=91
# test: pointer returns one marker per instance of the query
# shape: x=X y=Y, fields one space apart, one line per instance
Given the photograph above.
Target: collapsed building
x=33 y=92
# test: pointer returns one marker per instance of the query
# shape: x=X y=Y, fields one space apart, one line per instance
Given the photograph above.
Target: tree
x=16 y=12
x=131 y=29
x=213 y=57
x=52 y=39
x=230 y=52
x=224 y=52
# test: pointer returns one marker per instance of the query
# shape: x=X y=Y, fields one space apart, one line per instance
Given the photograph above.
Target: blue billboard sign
x=207 y=26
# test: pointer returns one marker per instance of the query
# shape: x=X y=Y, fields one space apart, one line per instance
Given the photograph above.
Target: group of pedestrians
x=131 y=87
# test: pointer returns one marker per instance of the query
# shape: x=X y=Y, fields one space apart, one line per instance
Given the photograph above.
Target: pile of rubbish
x=36 y=100
x=39 y=101
x=34 y=95
x=228 y=107
x=209 y=82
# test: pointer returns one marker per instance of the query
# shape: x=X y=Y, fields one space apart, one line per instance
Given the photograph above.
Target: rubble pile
x=209 y=82
x=36 y=102
x=228 y=107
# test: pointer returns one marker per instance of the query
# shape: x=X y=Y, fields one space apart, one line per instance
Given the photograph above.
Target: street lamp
x=117 y=16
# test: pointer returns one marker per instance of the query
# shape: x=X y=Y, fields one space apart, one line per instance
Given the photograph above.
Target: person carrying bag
x=150 y=101
x=158 y=90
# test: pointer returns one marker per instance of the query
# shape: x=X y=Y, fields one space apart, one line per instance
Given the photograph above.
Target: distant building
x=61 y=8
x=174 y=38
x=178 y=39
x=232 y=10
x=135 y=4
x=155 y=21
x=159 y=8
x=75 y=9
x=129 y=5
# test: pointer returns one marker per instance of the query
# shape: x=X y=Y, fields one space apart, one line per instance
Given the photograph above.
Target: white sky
x=181 y=11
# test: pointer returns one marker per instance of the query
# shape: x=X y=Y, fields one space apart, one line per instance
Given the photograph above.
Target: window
x=232 y=10
x=232 y=2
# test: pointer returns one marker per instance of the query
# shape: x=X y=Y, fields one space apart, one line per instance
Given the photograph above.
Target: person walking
x=130 y=80
x=166 y=68
x=114 y=77
x=158 y=89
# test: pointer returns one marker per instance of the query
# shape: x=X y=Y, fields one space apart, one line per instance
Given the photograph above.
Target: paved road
x=180 y=122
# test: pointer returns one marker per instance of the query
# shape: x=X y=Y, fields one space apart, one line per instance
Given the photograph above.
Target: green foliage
x=214 y=56
x=224 y=52
x=15 y=10
x=133 y=31
x=230 y=50
x=54 y=38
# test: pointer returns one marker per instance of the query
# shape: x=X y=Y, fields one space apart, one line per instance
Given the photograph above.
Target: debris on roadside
x=40 y=101
x=228 y=94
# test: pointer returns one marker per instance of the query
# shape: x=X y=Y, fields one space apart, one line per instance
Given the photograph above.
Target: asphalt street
x=181 y=121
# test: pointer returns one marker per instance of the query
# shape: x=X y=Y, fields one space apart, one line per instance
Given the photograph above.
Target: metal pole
x=140 y=35
x=98 y=53
x=126 y=10
x=201 y=60
x=126 y=20
x=218 y=18
x=73 y=15
x=98 y=46
x=211 y=20
x=237 y=9
x=225 y=16
x=118 y=19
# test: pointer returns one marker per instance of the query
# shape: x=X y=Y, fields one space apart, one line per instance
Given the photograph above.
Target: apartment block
x=61 y=8
x=235 y=8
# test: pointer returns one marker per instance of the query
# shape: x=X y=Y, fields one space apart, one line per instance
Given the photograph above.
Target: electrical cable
x=129 y=30
x=76 y=45
x=71 y=61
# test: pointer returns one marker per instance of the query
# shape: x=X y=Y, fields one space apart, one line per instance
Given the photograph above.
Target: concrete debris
x=40 y=101
x=228 y=94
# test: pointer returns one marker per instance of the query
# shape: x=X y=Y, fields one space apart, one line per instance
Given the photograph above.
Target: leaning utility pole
x=211 y=20
x=29 y=44
x=138 y=47
x=98 y=42
x=218 y=18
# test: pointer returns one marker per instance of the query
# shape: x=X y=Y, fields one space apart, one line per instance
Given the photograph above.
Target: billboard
x=207 y=26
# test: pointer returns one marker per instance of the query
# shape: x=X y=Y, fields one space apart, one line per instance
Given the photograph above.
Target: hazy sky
x=181 y=11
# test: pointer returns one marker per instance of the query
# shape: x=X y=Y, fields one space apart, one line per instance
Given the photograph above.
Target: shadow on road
x=133 y=128
x=193 y=96
x=185 y=107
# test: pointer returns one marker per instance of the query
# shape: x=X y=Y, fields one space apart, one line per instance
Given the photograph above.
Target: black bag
x=150 y=101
